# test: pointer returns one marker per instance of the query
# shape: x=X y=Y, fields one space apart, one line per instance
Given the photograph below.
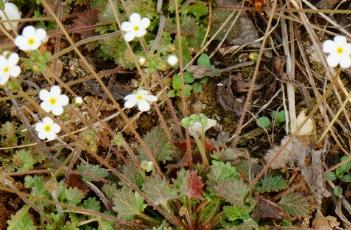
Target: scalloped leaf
x=271 y=184
x=158 y=143
x=21 y=220
x=233 y=191
x=159 y=190
x=128 y=204
x=294 y=204
x=92 y=172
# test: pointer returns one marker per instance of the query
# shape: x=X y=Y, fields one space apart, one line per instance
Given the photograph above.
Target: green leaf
x=204 y=60
x=159 y=190
x=278 y=117
x=221 y=172
x=92 y=204
x=337 y=191
x=294 y=204
x=271 y=184
x=188 y=77
x=198 y=9
x=157 y=142
x=344 y=167
x=21 y=220
x=92 y=172
x=330 y=176
x=197 y=87
x=37 y=185
x=106 y=225
x=71 y=196
x=234 y=213
x=263 y=122
x=37 y=61
x=171 y=93
x=177 y=82
x=346 y=178
x=128 y=204
x=109 y=189
x=247 y=224
x=208 y=211
x=23 y=160
x=233 y=191
x=134 y=173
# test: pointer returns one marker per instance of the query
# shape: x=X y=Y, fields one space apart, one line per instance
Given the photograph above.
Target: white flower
x=198 y=124
x=135 y=27
x=9 y=67
x=339 y=52
x=12 y=13
x=31 y=38
x=142 y=60
x=142 y=98
x=78 y=100
x=53 y=101
x=47 y=129
x=147 y=166
x=172 y=60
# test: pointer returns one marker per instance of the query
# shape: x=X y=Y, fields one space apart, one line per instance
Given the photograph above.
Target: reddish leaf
x=194 y=185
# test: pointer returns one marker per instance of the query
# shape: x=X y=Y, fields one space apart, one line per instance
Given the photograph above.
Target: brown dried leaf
x=267 y=209
x=226 y=98
x=325 y=223
x=85 y=20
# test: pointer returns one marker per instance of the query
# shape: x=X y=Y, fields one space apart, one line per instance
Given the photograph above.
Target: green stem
x=149 y=219
x=201 y=145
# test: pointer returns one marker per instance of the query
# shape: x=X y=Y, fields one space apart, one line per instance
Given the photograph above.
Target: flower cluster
x=198 y=124
x=339 y=51
x=8 y=67
x=136 y=28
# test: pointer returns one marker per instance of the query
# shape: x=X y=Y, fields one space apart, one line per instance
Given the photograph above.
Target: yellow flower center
x=31 y=41
x=339 y=50
x=47 y=128
x=52 y=101
x=139 y=97
x=6 y=69
x=136 y=28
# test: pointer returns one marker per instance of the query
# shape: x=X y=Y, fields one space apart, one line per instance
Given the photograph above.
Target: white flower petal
x=127 y=26
x=40 y=34
x=151 y=98
x=129 y=36
x=3 y=62
x=340 y=39
x=56 y=128
x=130 y=102
x=42 y=135
x=143 y=106
x=13 y=59
x=129 y=97
x=4 y=79
x=145 y=23
x=63 y=100
x=44 y=94
x=38 y=126
x=20 y=42
x=46 y=106
x=55 y=90
x=12 y=13
x=140 y=33
x=345 y=61
x=15 y=71
x=333 y=60
x=51 y=136
x=57 y=110
x=142 y=92
x=28 y=31
x=135 y=18
x=328 y=46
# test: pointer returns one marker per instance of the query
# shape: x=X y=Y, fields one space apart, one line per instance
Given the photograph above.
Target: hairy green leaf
x=234 y=213
x=233 y=191
x=21 y=220
x=221 y=172
x=92 y=172
x=271 y=184
x=159 y=190
x=23 y=160
x=158 y=143
x=92 y=204
x=128 y=204
x=294 y=204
